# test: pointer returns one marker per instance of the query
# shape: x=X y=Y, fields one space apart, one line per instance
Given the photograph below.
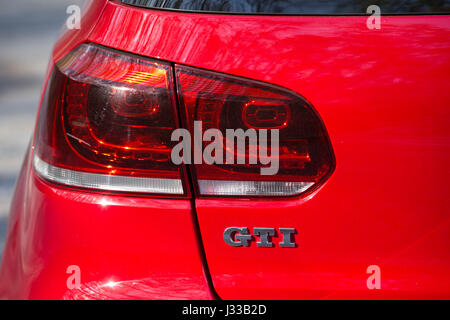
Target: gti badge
x=241 y=237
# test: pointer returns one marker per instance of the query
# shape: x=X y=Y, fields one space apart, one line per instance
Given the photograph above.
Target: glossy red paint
x=126 y=247
x=383 y=96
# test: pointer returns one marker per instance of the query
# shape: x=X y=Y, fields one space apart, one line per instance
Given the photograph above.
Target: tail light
x=107 y=120
x=227 y=102
x=106 y=124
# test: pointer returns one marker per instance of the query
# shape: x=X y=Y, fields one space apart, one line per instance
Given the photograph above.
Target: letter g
x=241 y=239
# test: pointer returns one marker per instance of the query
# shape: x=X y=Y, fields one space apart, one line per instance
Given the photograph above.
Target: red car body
x=383 y=96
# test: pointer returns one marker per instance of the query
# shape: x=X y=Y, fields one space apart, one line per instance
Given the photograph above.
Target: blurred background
x=28 y=29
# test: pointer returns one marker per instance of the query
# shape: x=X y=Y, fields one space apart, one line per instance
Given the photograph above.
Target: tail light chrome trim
x=106 y=182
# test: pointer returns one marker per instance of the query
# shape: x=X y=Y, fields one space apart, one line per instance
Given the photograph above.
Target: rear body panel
x=383 y=96
x=123 y=246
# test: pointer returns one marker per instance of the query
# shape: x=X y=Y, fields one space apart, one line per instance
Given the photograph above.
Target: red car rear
x=357 y=206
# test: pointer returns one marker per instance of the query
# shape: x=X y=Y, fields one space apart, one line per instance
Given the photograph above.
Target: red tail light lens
x=108 y=117
x=106 y=123
x=226 y=102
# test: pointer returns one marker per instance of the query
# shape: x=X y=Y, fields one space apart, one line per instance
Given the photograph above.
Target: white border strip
x=104 y=181
x=252 y=188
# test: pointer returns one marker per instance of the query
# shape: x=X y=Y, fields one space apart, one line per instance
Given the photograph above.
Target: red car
x=341 y=191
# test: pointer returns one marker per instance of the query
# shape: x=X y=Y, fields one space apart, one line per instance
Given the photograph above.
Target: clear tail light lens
x=106 y=123
x=226 y=102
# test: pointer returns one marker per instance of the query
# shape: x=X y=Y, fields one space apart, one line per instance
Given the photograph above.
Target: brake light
x=107 y=120
x=106 y=123
x=227 y=102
